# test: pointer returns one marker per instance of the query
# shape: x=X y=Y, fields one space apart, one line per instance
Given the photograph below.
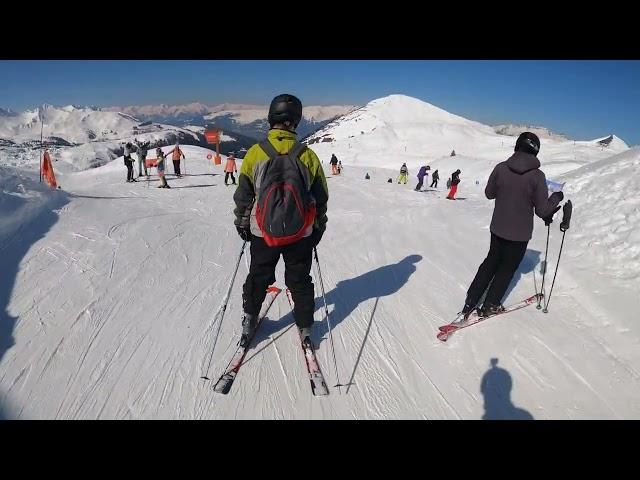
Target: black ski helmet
x=285 y=109
x=528 y=142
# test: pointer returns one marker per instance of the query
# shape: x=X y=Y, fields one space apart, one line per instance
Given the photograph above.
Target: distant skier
x=448 y=183
x=519 y=189
x=435 y=177
x=161 y=167
x=334 y=164
x=282 y=227
x=455 y=180
x=176 y=154
x=339 y=167
x=367 y=177
x=421 y=174
x=128 y=162
x=453 y=153
x=141 y=150
x=229 y=168
x=404 y=172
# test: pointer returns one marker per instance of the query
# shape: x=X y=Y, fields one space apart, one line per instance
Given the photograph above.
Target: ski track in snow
x=116 y=306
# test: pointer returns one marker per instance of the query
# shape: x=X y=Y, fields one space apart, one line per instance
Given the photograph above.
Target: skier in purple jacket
x=421 y=174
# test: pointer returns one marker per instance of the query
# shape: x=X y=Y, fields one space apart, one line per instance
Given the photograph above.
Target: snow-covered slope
x=22 y=198
x=107 y=306
x=396 y=129
x=607 y=198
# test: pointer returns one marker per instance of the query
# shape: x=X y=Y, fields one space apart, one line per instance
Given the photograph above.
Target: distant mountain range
x=242 y=119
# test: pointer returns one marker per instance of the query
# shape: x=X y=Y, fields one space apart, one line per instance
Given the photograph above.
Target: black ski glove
x=316 y=236
x=558 y=195
x=245 y=232
x=549 y=220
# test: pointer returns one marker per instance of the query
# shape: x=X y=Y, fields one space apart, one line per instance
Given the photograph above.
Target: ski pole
x=567 y=210
x=223 y=308
x=41 y=131
x=326 y=311
x=544 y=271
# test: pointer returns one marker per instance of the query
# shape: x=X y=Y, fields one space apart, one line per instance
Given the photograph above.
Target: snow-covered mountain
x=83 y=137
x=245 y=119
x=72 y=124
x=396 y=129
x=515 y=130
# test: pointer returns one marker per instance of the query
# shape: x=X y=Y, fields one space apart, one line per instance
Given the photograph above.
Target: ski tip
x=273 y=289
x=442 y=336
x=319 y=390
x=205 y=378
x=223 y=387
x=446 y=329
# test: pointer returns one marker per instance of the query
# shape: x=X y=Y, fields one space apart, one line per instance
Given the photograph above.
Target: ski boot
x=489 y=309
x=464 y=314
x=249 y=323
x=305 y=335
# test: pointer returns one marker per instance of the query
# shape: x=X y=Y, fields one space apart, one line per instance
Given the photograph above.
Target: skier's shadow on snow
x=347 y=295
x=194 y=186
x=6 y=413
x=527 y=265
x=496 y=388
x=12 y=251
x=74 y=195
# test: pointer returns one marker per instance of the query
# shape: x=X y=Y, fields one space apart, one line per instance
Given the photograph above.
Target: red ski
x=318 y=385
x=449 y=329
x=223 y=385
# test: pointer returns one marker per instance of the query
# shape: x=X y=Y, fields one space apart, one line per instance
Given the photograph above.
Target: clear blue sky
x=582 y=99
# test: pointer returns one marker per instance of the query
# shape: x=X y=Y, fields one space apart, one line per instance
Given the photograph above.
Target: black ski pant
x=176 y=167
x=297 y=266
x=420 y=181
x=434 y=184
x=129 y=164
x=502 y=261
x=226 y=177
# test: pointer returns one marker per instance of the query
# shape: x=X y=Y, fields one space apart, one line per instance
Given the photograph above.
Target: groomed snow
x=107 y=301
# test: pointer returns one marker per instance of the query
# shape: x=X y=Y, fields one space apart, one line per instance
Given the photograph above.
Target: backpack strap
x=269 y=149
x=297 y=150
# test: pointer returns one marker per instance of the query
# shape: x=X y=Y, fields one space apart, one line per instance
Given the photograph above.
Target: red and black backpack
x=285 y=206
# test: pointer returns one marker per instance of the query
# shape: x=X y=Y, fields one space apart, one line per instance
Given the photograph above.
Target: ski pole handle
x=567 y=210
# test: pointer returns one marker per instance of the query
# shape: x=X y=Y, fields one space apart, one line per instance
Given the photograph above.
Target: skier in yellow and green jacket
x=281 y=208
